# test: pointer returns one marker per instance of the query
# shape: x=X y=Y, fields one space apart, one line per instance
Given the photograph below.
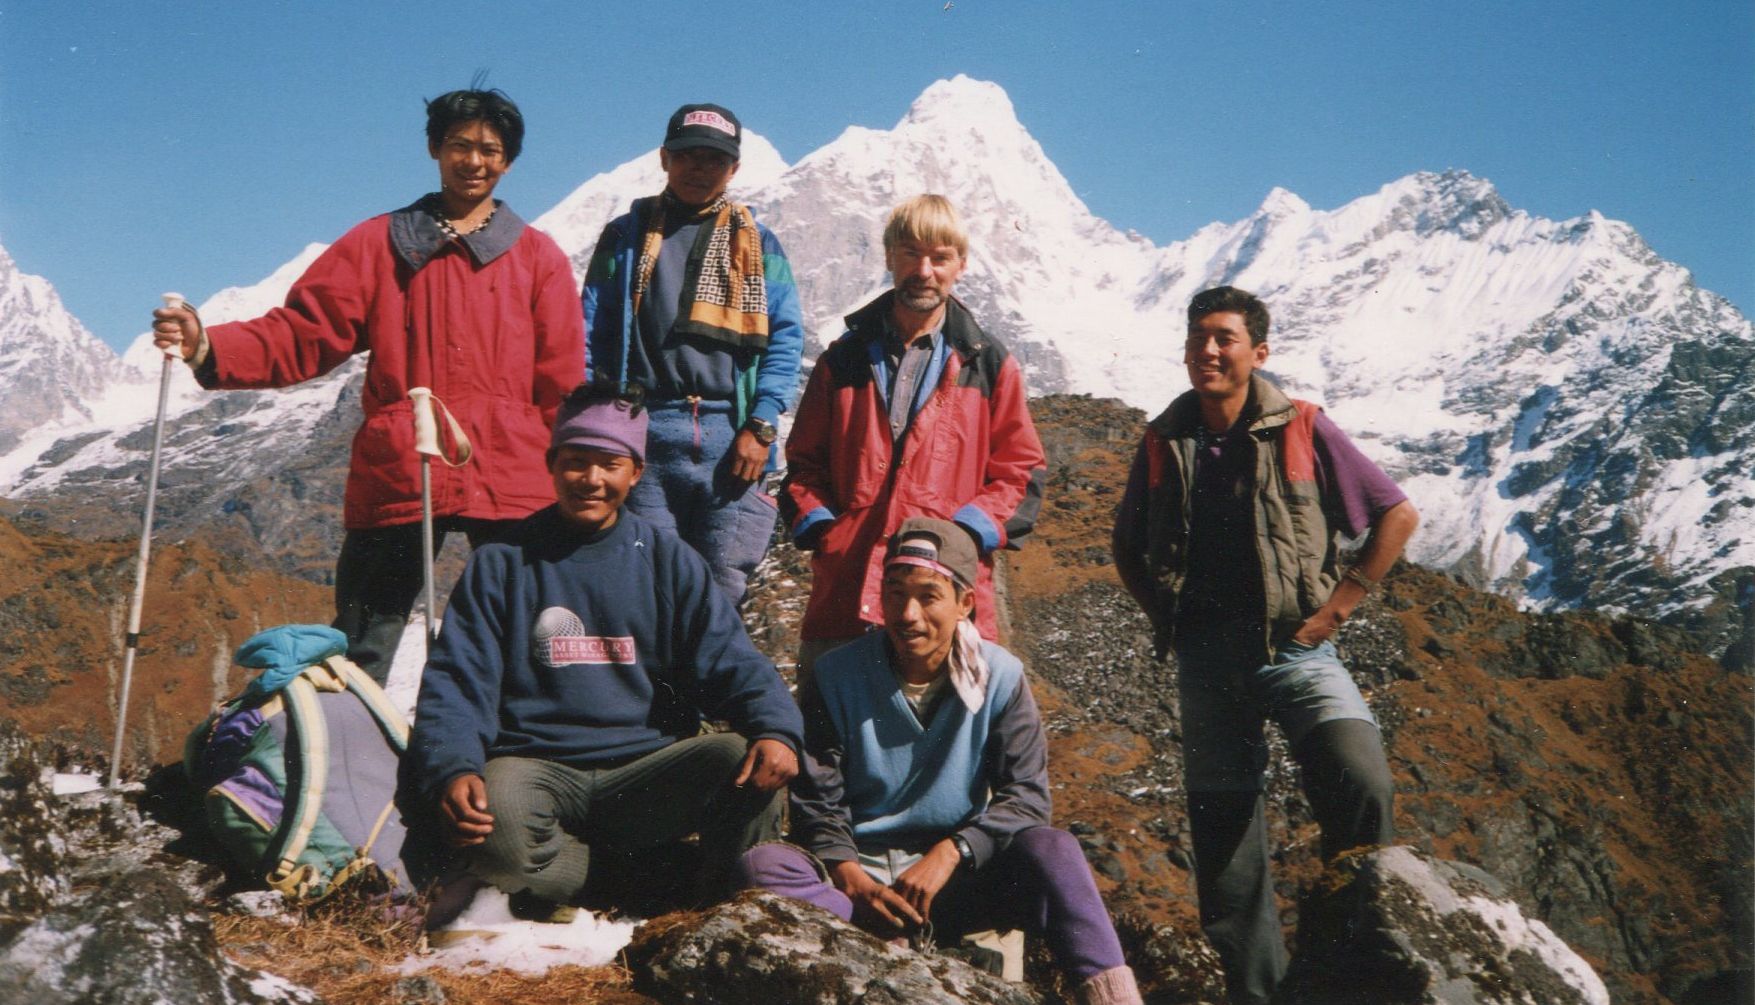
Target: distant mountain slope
x=50 y=366
x=1574 y=417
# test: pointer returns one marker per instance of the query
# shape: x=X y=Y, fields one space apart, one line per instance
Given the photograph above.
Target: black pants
x=1351 y=793
x=378 y=577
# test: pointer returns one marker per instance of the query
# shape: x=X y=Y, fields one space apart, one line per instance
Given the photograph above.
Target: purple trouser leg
x=1042 y=884
x=791 y=872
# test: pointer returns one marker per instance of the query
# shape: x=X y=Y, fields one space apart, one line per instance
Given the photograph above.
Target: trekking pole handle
x=426 y=426
x=175 y=300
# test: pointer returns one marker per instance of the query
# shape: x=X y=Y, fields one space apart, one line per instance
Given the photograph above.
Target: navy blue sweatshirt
x=586 y=650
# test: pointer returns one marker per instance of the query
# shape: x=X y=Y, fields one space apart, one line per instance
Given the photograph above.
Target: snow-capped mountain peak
x=961 y=101
x=576 y=220
x=1571 y=414
x=50 y=366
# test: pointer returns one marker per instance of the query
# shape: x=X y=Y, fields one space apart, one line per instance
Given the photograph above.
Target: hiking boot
x=527 y=906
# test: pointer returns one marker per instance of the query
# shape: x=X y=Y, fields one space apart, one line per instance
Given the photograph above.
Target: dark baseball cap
x=704 y=126
x=939 y=545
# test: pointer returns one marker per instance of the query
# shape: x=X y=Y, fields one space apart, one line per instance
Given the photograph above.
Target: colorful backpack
x=299 y=777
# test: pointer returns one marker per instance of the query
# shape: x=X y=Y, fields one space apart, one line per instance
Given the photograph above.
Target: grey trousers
x=548 y=817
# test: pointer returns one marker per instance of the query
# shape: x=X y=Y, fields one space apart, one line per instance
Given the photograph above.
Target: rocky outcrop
x=97 y=910
x=134 y=939
x=1397 y=927
x=761 y=949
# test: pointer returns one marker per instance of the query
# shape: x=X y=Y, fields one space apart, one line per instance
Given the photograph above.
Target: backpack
x=299 y=783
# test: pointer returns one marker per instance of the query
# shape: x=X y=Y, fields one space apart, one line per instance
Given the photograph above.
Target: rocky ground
x=1599 y=768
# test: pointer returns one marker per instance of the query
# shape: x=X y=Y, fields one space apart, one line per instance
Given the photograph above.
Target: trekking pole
x=426 y=444
x=131 y=644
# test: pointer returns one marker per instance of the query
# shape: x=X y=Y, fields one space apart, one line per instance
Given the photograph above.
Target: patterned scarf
x=724 y=295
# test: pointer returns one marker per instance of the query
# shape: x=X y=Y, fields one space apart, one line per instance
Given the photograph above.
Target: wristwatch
x=764 y=431
x=965 y=854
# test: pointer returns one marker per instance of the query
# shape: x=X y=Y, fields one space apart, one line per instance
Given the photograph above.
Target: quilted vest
x=1297 y=553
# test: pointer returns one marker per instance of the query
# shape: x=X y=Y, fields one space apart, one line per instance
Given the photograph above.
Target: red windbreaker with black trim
x=489 y=321
x=971 y=455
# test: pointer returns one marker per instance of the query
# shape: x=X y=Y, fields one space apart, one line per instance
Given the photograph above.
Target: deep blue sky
x=193 y=146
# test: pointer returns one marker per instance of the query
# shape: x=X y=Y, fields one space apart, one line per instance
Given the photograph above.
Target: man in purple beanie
x=561 y=707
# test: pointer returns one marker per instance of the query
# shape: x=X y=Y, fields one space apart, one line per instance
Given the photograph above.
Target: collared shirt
x=907 y=372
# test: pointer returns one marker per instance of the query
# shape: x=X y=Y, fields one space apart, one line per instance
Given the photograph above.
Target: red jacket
x=971 y=455
x=490 y=322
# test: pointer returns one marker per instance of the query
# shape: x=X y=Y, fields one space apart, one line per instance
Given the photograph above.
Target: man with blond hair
x=915 y=411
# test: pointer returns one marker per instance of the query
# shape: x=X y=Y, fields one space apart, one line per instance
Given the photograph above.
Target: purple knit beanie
x=608 y=424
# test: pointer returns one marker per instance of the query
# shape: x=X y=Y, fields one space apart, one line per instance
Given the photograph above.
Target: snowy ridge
x=1572 y=415
x=271 y=424
x=575 y=221
x=50 y=366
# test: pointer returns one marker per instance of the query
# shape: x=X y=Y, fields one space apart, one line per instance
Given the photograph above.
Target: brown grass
x=348 y=949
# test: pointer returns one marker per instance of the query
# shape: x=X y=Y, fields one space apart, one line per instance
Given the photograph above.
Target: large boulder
x=94 y=908
x=1398 y=927
x=136 y=939
x=761 y=949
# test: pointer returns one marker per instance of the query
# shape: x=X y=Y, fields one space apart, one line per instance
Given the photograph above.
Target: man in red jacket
x=915 y=411
x=455 y=293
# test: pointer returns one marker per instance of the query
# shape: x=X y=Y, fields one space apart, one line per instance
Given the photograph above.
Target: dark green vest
x=1297 y=553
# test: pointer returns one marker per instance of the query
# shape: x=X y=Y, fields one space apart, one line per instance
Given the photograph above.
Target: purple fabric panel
x=226 y=745
x=256 y=791
x=1041 y=883
x=1355 y=492
x=789 y=871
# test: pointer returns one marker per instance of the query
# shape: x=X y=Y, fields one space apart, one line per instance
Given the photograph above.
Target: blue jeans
x=688 y=489
x=1226 y=700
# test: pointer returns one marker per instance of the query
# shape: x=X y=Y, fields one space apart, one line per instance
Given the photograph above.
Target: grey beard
x=921 y=300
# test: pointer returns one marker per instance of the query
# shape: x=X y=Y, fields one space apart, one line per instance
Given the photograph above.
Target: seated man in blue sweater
x=560 y=709
x=924 y=798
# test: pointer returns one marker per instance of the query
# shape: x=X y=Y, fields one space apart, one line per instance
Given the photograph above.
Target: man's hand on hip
x=464 y=807
x=768 y=766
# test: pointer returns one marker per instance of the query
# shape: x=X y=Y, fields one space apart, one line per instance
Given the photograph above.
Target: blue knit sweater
x=878 y=777
x=586 y=651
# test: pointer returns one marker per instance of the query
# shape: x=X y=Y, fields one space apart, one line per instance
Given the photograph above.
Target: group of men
x=616 y=521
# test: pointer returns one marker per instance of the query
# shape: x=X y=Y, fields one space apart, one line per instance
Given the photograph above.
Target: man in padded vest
x=1228 y=536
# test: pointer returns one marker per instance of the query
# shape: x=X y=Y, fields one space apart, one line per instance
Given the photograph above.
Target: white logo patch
x=712 y=120
x=559 y=640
